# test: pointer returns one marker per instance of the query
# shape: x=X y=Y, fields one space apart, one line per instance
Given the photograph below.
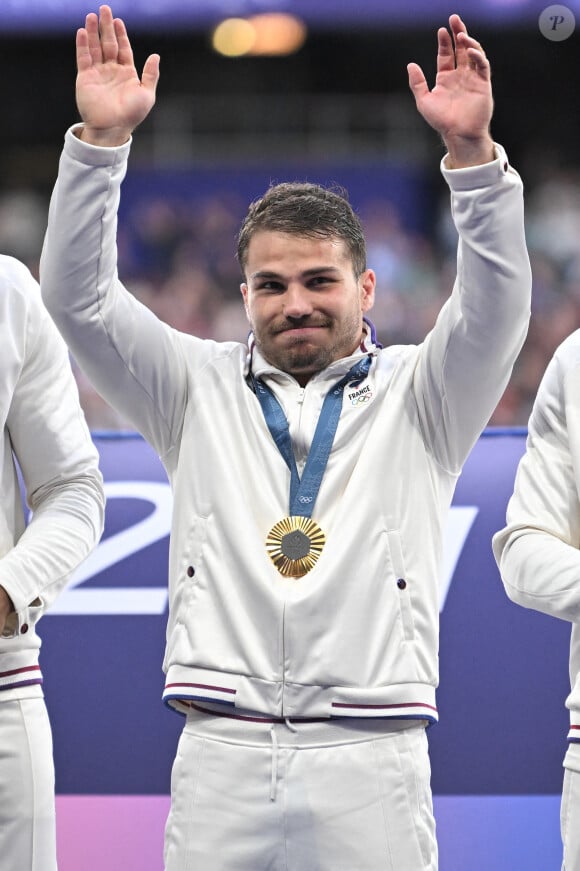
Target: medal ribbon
x=303 y=492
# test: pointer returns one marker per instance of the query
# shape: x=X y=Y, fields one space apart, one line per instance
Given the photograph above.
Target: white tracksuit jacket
x=538 y=552
x=358 y=635
x=43 y=427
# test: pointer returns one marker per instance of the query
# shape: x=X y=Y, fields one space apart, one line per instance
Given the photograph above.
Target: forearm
x=127 y=353
x=541 y=572
x=493 y=267
x=64 y=528
x=80 y=242
x=468 y=357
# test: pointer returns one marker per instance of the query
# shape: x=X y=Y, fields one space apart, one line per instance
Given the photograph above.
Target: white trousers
x=300 y=797
x=570 y=818
x=27 y=806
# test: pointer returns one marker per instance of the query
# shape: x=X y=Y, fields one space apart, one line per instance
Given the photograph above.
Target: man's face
x=302 y=299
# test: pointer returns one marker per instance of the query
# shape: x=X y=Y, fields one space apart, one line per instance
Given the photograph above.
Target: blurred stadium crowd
x=179 y=261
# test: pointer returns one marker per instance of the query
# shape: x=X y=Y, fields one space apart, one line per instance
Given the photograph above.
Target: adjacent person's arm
x=59 y=466
x=538 y=552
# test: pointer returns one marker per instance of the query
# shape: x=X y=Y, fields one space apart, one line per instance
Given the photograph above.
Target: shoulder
x=567 y=354
x=563 y=366
x=202 y=353
x=559 y=387
x=397 y=355
x=16 y=280
x=19 y=290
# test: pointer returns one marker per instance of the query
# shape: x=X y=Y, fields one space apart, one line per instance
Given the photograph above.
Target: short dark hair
x=305 y=209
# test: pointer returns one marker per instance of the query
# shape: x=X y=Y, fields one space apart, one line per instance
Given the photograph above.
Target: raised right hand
x=111 y=98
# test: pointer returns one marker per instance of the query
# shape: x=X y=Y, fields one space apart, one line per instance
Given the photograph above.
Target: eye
x=270 y=286
x=320 y=281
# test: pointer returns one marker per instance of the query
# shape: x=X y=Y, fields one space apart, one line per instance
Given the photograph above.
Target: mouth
x=301 y=328
x=301 y=333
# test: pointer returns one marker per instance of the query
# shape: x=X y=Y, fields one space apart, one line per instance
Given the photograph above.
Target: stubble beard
x=304 y=359
x=301 y=357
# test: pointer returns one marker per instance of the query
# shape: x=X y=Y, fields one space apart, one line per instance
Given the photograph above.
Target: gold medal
x=294 y=545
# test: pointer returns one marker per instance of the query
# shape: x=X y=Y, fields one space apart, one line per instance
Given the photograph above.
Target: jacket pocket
x=190 y=573
x=401 y=584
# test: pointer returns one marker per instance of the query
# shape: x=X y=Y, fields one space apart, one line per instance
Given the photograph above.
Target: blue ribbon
x=303 y=492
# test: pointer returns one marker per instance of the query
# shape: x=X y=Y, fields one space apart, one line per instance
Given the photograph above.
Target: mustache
x=299 y=323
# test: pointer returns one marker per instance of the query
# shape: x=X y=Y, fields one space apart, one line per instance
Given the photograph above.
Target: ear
x=367 y=285
x=244 y=291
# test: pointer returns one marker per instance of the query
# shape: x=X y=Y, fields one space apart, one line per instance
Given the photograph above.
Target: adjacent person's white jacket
x=538 y=552
x=358 y=635
x=44 y=437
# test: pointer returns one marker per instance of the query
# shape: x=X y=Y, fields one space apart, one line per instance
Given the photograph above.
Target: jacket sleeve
x=131 y=357
x=59 y=467
x=467 y=359
x=538 y=551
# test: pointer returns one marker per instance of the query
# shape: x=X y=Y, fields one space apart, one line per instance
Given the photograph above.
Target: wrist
x=110 y=137
x=463 y=152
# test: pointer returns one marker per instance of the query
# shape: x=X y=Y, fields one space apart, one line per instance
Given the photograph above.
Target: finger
x=459 y=32
x=84 y=59
x=464 y=40
x=445 y=52
x=150 y=75
x=125 y=52
x=109 y=44
x=417 y=81
x=471 y=55
x=463 y=44
x=479 y=62
x=457 y=26
x=93 y=38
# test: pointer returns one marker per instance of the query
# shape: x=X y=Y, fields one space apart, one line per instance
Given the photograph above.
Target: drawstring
x=274 y=776
x=274 y=740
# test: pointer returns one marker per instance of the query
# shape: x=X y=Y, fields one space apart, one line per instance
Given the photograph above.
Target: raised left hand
x=460 y=105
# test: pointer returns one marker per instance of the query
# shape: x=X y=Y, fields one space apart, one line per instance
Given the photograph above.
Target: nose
x=297 y=301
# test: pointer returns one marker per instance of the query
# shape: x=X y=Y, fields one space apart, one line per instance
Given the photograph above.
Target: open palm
x=461 y=104
x=111 y=98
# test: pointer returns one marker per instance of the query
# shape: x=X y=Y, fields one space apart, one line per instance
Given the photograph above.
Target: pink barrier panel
x=503 y=833
x=112 y=832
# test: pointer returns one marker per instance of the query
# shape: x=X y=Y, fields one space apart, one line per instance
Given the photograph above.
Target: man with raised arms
x=307 y=532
